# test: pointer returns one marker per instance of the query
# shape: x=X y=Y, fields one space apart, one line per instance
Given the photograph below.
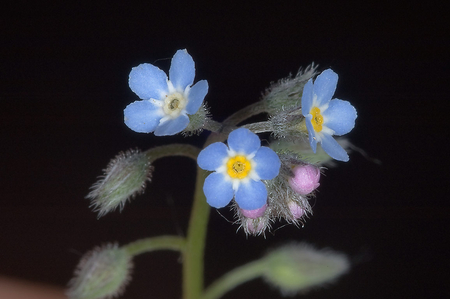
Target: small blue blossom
x=325 y=117
x=238 y=170
x=165 y=103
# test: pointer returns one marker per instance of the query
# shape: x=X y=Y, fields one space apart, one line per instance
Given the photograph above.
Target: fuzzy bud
x=102 y=273
x=287 y=92
x=296 y=211
x=289 y=123
x=197 y=121
x=297 y=268
x=256 y=226
x=253 y=222
x=283 y=201
x=253 y=214
x=306 y=179
x=125 y=177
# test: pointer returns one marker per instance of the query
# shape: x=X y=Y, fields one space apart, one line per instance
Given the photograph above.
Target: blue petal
x=212 y=156
x=340 y=117
x=267 y=163
x=333 y=149
x=307 y=98
x=196 y=96
x=182 y=70
x=244 y=141
x=148 y=81
x=218 y=191
x=251 y=195
x=172 y=126
x=142 y=116
x=324 y=86
x=311 y=133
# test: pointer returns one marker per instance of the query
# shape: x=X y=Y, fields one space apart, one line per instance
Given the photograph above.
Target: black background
x=63 y=86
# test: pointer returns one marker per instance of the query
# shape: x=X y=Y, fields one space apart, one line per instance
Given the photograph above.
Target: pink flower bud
x=296 y=210
x=306 y=179
x=254 y=227
x=253 y=214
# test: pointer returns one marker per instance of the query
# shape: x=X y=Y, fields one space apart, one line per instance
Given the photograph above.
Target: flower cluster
x=263 y=185
x=165 y=103
x=289 y=195
x=238 y=171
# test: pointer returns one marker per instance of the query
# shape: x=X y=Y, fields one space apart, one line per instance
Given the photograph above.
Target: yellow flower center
x=174 y=104
x=317 y=119
x=238 y=167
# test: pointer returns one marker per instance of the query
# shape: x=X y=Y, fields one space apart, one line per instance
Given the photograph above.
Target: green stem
x=176 y=149
x=193 y=258
x=234 y=278
x=156 y=243
x=243 y=114
x=196 y=238
x=193 y=255
x=260 y=127
x=212 y=125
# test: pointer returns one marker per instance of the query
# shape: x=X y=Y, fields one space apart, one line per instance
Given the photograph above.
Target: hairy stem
x=196 y=238
x=212 y=125
x=175 y=149
x=260 y=127
x=243 y=114
x=155 y=243
x=193 y=256
x=234 y=278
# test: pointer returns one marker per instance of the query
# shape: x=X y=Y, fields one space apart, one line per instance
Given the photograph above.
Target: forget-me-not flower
x=326 y=117
x=165 y=102
x=238 y=170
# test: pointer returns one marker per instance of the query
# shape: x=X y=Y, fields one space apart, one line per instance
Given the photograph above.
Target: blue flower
x=326 y=117
x=165 y=103
x=239 y=169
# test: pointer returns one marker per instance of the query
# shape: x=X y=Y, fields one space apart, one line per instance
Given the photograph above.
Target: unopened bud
x=253 y=214
x=125 y=177
x=197 y=121
x=287 y=92
x=102 y=273
x=296 y=211
x=305 y=179
x=297 y=268
x=256 y=226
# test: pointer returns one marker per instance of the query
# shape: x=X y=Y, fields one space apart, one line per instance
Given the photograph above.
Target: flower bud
x=287 y=92
x=197 y=121
x=289 y=124
x=102 y=273
x=283 y=201
x=297 y=268
x=296 y=211
x=256 y=226
x=253 y=214
x=124 y=178
x=253 y=222
x=305 y=179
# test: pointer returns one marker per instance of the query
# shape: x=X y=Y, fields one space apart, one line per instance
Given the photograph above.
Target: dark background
x=63 y=86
